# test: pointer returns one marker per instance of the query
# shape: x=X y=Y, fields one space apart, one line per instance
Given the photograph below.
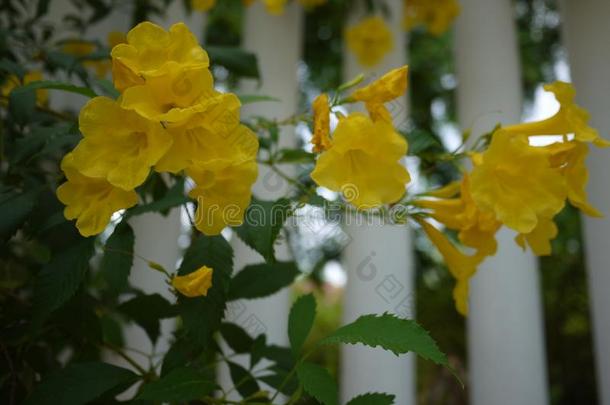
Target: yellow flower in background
x=570 y=118
x=461 y=266
x=539 y=239
x=436 y=16
x=275 y=7
x=90 y=201
x=172 y=97
x=212 y=128
x=119 y=145
x=321 y=123
x=203 y=5
x=311 y=3
x=516 y=182
x=12 y=81
x=195 y=284
x=149 y=49
x=223 y=186
x=363 y=162
x=387 y=88
x=569 y=158
x=370 y=40
x=84 y=49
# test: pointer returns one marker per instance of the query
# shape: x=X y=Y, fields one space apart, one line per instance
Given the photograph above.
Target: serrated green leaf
x=237 y=338
x=300 y=321
x=15 y=207
x=118 y=257
x=180 y=385
x=390 y=333
x=202 y=315
x=318 y=383
x=79 y=384
x=374 y=398
x=243 y=381
x=261 y=280
x=180 y=354
x=147 y=311
x=262 y=224
x=61 y=277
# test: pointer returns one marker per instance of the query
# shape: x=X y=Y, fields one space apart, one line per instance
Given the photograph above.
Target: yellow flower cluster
x=168 y=118
x=516 y=184
x=362 y=160
x=435 y=15
x=370 y=40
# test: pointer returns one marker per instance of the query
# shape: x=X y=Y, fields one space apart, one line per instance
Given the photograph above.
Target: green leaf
x=243 y=381
x=262 y=224
x=236 y=60
x=300 y=321
x=318 y=383
x=61 y=277
x=80 y=384
x=181 y=353
x=173 y=198
x=55 y=85
x=294 y=156
x=373 y=399
x=15 y=207
x=202 y=315
x=390 y=333
x=118 y=257
x=420 y=141
x=237 y=338
x=22 y=104
x=180 y=385
x=147 y=311
x=261 y=280
x=255 y=98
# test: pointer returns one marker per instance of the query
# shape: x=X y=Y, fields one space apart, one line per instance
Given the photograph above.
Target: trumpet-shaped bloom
x=364 y=162
x=462 y=267
x=539 y=239
x=223 y=184
x=203 y=5
x=150 y=48
x=42 y=95
x=213 y=131
x=119 y=145
x=321 y=124
x=476 y=228
x=387 y=88
x=172 y=97
x=89 y=200
x=570 y=118
x=370 y=40
x=569 y=158
x=516 y=182
x=195 y=284
x=436 y=15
